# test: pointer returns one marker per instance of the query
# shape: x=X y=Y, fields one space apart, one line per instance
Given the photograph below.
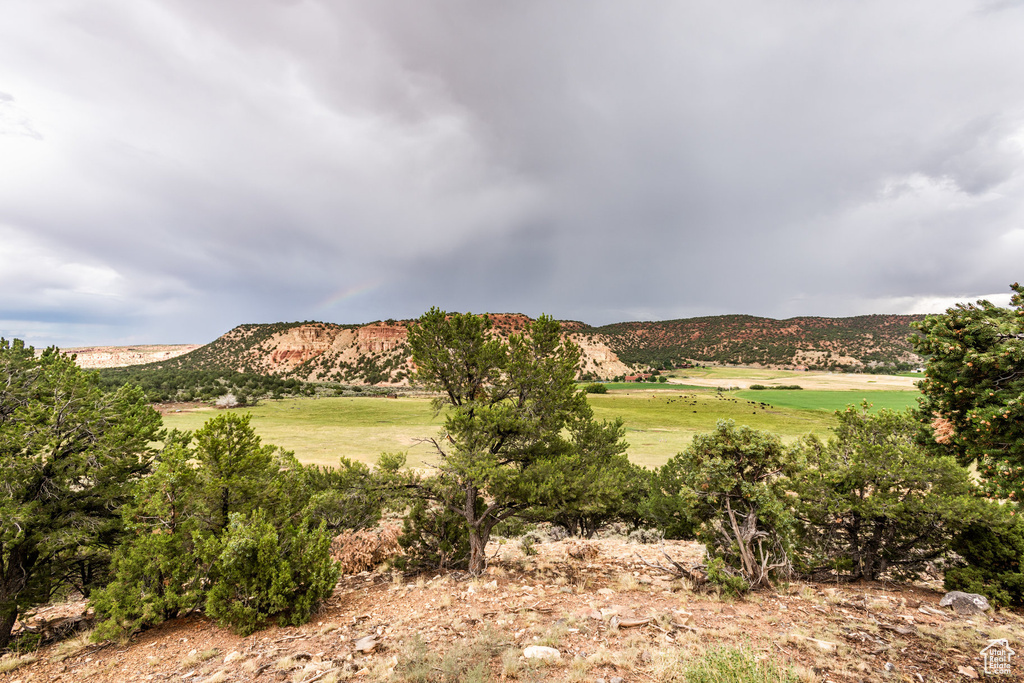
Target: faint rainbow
x=346 y=294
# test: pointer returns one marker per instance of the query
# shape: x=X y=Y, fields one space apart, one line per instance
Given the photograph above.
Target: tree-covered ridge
x=241 y=349
x=280 y=359
x=860 y=343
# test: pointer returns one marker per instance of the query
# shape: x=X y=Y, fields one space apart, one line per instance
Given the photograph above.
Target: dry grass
x=72 y=646
x=250 y=666
x=286 y=663
x=10 y=663
x=197 y=657
x=359 y=551
x=218 y=677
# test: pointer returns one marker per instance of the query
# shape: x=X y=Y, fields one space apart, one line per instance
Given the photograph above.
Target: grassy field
x=736 y=373
x=320 y=430
x=658 y=424
x=647 y=386
x=831 y=400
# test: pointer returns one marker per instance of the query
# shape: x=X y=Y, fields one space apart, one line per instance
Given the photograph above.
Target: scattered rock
x=682 y=618
x=233 y=656
x=366 y=644
x=581 y=551
x=541 y=652
x=968 y=671
x=965 y=603
x=889 y=666
x=902 y=630
x=615 y=679
x=823 y=645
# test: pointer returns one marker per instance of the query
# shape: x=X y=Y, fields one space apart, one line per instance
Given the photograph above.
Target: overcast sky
x=172 y=168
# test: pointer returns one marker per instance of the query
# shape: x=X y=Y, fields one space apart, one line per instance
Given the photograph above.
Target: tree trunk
x=477 y=551
x=857 y=554
x=224 y=507
x=8 y=615
x=873 y=563
x=478 y=535
x=19 y=566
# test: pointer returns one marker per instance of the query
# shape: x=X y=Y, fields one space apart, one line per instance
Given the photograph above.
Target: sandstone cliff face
x=598 y=359
x=380 y=338
x=294 y=347
x=374 y=354
x=95 y=357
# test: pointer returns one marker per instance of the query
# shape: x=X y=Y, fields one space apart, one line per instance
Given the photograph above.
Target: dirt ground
x=611 y=615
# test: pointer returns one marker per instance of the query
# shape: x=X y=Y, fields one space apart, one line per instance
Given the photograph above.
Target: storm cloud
x=172 y=168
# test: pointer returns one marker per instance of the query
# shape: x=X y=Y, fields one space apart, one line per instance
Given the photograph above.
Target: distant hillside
x=94 y=357
x=377 y=353
x=867 y=342
x=370 y=354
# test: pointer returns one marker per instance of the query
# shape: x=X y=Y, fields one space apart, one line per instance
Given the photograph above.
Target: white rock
x=965 y=603
x=366 y=644
x=541 y=652
x=233 y=656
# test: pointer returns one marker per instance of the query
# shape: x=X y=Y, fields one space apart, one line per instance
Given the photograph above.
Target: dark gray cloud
x=172 y=168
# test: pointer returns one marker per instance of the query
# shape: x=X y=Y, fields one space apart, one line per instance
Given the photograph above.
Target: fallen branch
x=318 y=676
x=681 y=626
x=697 y=574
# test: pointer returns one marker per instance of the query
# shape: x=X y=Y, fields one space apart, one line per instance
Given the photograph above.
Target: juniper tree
x=69 y=456
x=189 y=542
x=729 y=485
x=974 y=388
x=872 y=500
x=513 y=413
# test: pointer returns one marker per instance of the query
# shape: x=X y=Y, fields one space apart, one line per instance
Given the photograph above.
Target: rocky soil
x=603 y=605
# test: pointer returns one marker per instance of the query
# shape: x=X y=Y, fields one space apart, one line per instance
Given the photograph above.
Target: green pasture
x=735 y=373
x=319 y=430
x=658 y=424
x=831 y=400
x=650 y=386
